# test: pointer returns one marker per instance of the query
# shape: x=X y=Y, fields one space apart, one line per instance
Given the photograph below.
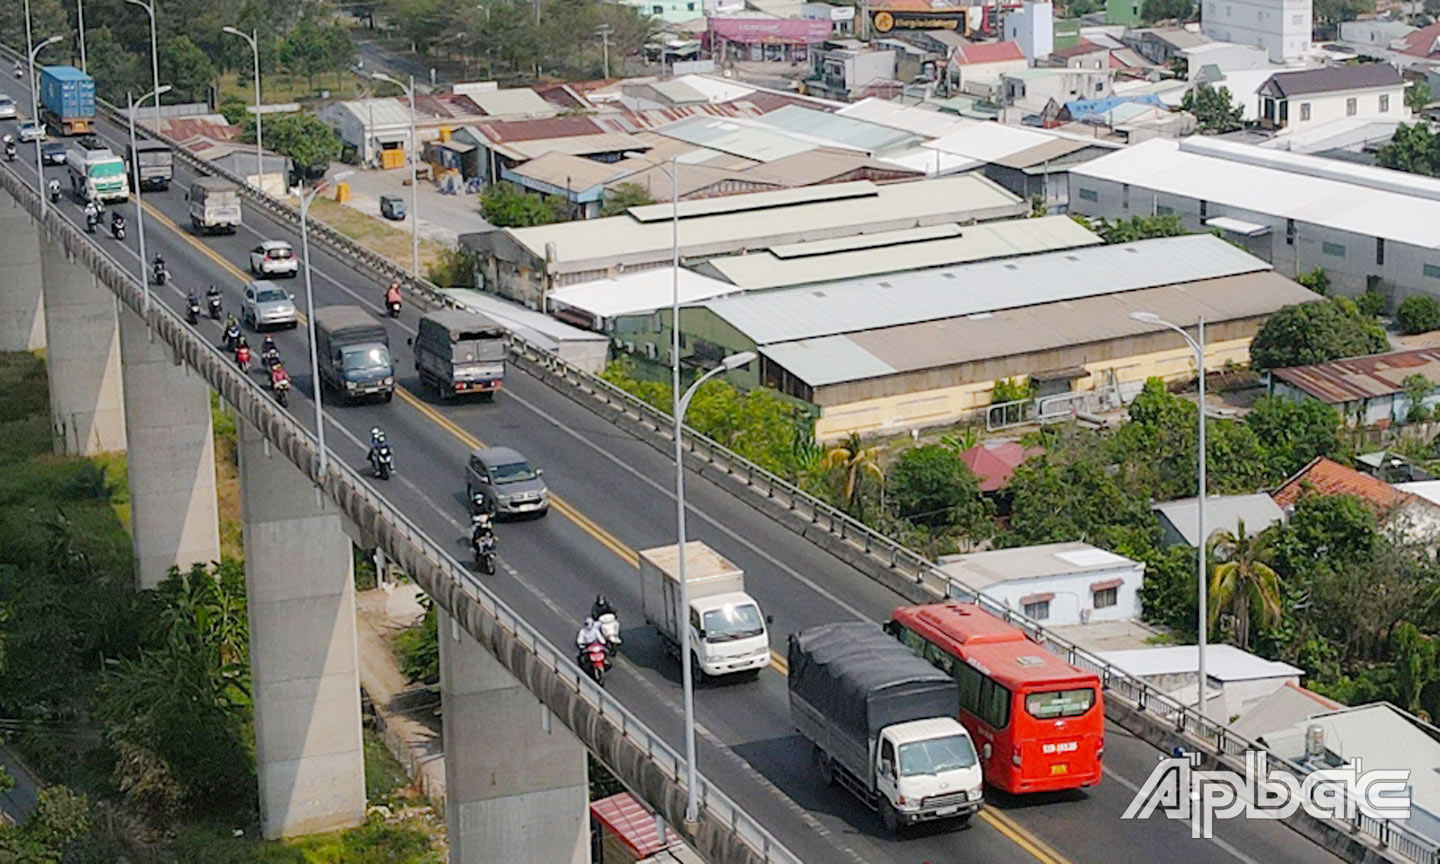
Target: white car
x=7 y=108
x=32 y=130
x=274 y=258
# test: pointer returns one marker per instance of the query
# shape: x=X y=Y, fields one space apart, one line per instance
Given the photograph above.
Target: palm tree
x=1242 y=582
x=856 y=461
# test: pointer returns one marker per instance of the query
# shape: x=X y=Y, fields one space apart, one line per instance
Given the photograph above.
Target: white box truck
x=96 y=174
x=883 y=724
x=726 y=630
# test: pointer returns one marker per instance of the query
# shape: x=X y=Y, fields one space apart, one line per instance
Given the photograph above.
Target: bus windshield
x=1053 y=704
x=936 y=755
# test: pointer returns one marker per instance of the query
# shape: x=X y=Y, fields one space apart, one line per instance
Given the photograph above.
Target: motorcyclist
x=232 y=332
x=242 y=353
x=157 y=268
x=117 y=223
x=192 y=306
x=601 y=607
x=10 y=147
x=18 y=73
x=377 y=441
x=269 y=353
x=54 y=187
x=392 y=294
x=589 y=634
x=92 y=216
x=278 y=374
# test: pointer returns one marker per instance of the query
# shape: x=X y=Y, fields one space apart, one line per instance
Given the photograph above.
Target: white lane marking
x=1229 y=849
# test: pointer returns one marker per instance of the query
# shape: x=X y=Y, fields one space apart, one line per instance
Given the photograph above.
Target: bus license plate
x=946 y=811
x=1062 y=768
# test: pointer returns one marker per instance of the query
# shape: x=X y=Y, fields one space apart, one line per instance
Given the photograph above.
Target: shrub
x=1418 y=313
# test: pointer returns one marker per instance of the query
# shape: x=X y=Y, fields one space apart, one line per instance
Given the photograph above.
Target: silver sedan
x=266 y=306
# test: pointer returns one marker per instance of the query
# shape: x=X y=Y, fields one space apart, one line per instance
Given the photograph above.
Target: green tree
x=116 y=70
x=1242 y=582
x=186 y=68
x=1413 y=149
x=304 y=50
x=1371 y=304
x=1138 y=228
x=1316 y=332
x=853 y=462
x=505 y=206
x=1167 y=10
x=307 y=141
x=1316 y=280
x=1417 y=389
x=1417 y=96
x=1418 y=313
x=1292 y=433
x=623 y=196
x=1333 y=12
x=418 y=649
x=1417 y=664
x=930 y=486
x=1013 y=389
x=1214 y=109
x=453 y=269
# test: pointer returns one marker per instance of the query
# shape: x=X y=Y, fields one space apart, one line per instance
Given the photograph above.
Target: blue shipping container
x=67 y=91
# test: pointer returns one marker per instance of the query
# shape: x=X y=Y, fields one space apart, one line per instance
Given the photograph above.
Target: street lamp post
x=149 y=7
x=414 y=173
x=1198 y=346
x=80 y=12
x=692 y=791
x=253 y=38
x=315 y=385
x=35 y=105
x=139 y=204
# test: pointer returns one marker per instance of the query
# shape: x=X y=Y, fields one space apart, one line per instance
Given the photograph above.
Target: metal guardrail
x=1181 y=718
x=422 y=557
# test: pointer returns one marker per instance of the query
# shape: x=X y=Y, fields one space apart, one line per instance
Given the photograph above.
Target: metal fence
x=1119 y=684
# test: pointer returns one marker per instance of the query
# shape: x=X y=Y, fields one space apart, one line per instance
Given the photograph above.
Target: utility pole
x=604 y=34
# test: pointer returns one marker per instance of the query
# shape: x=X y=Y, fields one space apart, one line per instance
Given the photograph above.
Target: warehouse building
x=526 y=264
x=925 y=348
x=1366 y=391
x=1367 y=227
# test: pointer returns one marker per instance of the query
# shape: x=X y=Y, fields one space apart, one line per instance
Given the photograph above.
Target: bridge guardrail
x=924 y=573
x=426 y=560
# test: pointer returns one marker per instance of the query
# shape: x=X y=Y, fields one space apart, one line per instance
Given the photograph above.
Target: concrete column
x=515 y=778
x=171 y=455
x=305 y=680
x=22 y=305
x=82 y=355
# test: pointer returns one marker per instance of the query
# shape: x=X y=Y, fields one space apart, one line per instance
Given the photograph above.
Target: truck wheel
x=442 y=391
x=388 y=396
x=889 y=818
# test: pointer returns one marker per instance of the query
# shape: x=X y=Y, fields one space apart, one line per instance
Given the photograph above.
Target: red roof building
x=1423 y=43
x=627 y=829
x=1327 y=477
x=995 y=463
x=987 y=52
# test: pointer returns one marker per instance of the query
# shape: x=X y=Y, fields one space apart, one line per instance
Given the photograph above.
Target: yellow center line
x=999 y=821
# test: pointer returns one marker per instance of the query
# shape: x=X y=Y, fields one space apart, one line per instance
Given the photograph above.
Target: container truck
x=727 y=633
x=96 y=174
x=460 y=352
x=882 y=724
x=67 y=100
x=353 y=350
x=152 y=165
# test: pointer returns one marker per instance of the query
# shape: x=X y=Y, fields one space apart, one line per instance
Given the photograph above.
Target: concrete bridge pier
x=171 y=456
x=301 y=595
x=22 y=304
x=82 y=355
x=516 y=784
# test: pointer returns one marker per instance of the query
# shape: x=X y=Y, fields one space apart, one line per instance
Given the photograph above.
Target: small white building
x=1374 y=37
x=1281 y=27
x=1224 y=57
x=369 y=125
x=1032 y=26
x=1306 y=97
x=1237 y=680
x=1055 y=584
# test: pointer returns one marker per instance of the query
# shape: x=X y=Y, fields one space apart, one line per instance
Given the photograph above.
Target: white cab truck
x=883 y=724
x=96 y=174
x=214 y=205
x=726 y=629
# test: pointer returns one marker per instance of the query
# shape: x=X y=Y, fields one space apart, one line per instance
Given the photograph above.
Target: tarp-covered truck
x=152 y=165
x=67 y=100
x=883 y=724
x=353 y=350
x=724 y=624
x=459 y=352
x=214 y=205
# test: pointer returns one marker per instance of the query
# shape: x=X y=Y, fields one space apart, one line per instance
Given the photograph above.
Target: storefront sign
x=890 y=20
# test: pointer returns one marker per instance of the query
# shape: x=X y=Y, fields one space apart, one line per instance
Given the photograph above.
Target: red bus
x=1037 y=721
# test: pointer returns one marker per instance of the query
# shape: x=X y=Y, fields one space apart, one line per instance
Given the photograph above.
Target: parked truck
x=95 y=173
x=460 y=352
x=353 y=351
x=883 y=724
x=726 y=630
x=67 y=100
x=152 y=165
x=214 y=205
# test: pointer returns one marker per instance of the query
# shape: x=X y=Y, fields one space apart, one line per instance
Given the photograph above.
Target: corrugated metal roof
x=506 y=131
x=518 y=100
x=907 y=118
x=576 y=145
x=1225 y=662
x=561 y=170
x=847 y=131
x=379 y=112
x=731 y=136
x=1310 y=189
x=1328 y=477
x=892 y=251
x=992 y=567
x=988 y=142
x=948 y=342
x=1222 y=513
x=1370 y=377
x=1282 y=709
x=906 y=298
x=638 y=292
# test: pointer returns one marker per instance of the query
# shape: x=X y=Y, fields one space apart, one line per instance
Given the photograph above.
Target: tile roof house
x=1422 y=45
x=1367 y=391
x=1306 y=97
x=994 y=463
x=1415 y=517
x=985 y=61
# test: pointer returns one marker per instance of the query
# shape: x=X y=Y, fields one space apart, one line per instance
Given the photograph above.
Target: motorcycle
x=393 y=307
x=117 y=229
x=159 y=272
x=610 y=626
x=269 y=358
x=242 y=358
x=91 y=220
x=595 y=660
x=215 y=307
x=232 y=336
x=382 y=461
x=281 y=387
x=54 y=192
x=483 y=542
x=192 y=311
x=9 y=152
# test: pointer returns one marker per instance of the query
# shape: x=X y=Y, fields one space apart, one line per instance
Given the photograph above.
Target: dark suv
x=52 y=153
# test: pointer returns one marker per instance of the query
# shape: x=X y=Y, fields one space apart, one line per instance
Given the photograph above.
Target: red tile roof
x=994 y=464
x=1328 y=477
x=1084 y=46
x=1422 y=42
x=536 y=130
x=987 y=52
x=627 y=820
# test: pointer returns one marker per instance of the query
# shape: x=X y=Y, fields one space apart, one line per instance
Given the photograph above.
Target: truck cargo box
x=67 y=92
x=707 y=573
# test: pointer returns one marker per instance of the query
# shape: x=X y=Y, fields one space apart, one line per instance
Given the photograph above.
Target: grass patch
x=410 y=841
x=279 y=87
x=227 y=481
x=386 y=783
x=374 y=234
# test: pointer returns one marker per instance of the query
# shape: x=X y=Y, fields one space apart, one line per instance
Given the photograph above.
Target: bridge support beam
x=82 y=355
x=301 y=593
x=22 y=304
x=171 y=455
x=515 y=778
